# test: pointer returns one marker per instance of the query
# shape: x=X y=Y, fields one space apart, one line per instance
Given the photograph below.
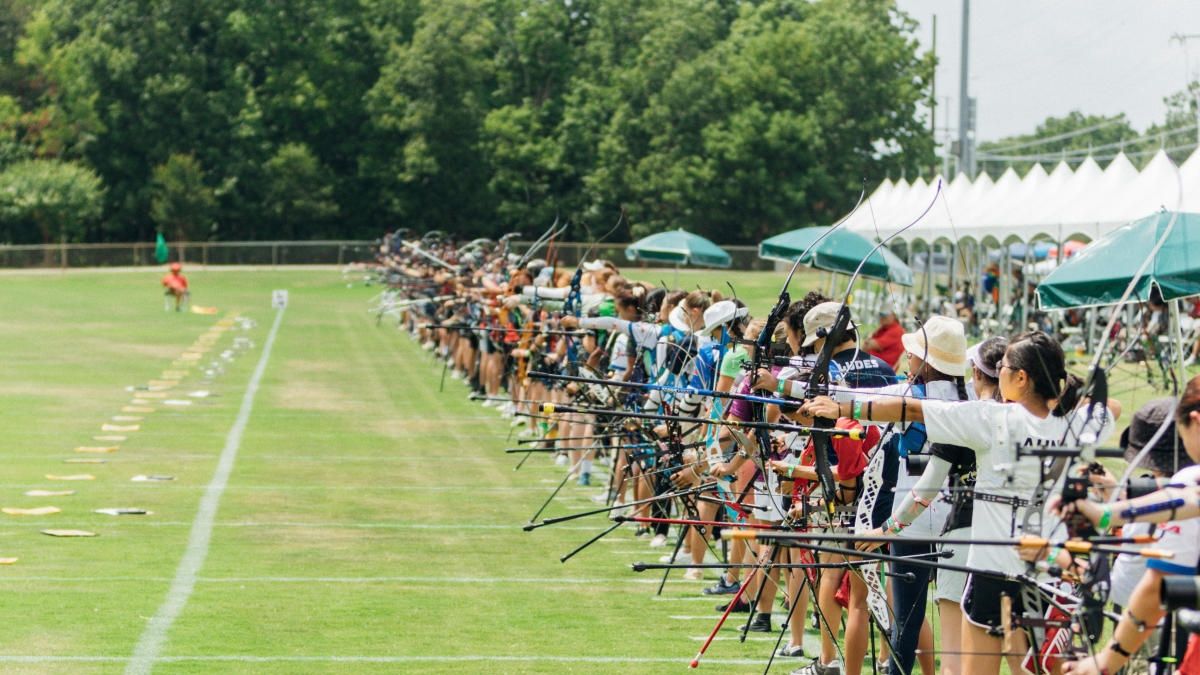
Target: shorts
x=981 y=600
x=950 y=583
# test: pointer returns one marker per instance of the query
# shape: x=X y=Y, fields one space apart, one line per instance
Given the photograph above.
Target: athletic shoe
x=659 y=541
x=487 y=403
x=585 y=479
x=791 y=651
x=693 y=575
x=561 y=460
x=761 y=623
x=641 y=532
x=668 y=559
x=601 y=498
x=517 y=422
x=621 y=510
x=815 y=668
x=723 y=587
x=742 y=607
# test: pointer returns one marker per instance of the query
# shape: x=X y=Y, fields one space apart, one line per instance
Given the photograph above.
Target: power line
x=1057 y=137
x=1084 y=152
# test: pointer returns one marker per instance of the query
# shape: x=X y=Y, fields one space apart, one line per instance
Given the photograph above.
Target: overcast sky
x=1030 y=59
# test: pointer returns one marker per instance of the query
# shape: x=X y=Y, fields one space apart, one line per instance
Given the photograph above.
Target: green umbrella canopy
x=678 y=247
x=1100 y=273
x=841 y=251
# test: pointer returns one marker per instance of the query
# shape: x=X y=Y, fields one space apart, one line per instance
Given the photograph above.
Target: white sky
x=1030 y=59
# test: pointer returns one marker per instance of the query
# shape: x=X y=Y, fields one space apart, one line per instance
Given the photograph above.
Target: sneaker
x=517 y=422
x=641 y=532
x=791 y=651
x=723 y=587
x=601 y=498
x=620 y=510
x=561 y=460
x=488 y=403
x=668 y=559
x=742 y=607
x=659 y=541
x=694 y=575
x=816 y=668
x=585 y=479
x=761 y=623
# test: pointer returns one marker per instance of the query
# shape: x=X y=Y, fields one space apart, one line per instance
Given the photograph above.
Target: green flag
x=161 y=253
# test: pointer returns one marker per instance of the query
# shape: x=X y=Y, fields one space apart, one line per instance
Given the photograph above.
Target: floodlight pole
x=1182 y=39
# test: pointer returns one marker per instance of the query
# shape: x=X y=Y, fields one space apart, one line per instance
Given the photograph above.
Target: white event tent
x=1081 y=204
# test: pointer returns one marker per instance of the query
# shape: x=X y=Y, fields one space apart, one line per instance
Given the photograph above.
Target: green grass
x=360 y=500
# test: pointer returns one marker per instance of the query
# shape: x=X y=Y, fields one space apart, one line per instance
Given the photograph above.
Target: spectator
x=885 y=341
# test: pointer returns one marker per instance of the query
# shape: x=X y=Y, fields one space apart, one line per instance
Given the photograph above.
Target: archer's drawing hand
x=821 y=406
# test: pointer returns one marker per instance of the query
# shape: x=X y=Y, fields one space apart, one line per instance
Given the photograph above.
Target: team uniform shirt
x=994 y=430
x=859 y=369
x=932 y=521
x=1179 y=537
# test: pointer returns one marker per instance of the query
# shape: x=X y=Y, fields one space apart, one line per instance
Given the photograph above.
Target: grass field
x=369 y=524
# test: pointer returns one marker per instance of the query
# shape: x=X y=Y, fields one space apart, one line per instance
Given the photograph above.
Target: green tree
x=181 y=203
x=58 y=199
x=299 y=196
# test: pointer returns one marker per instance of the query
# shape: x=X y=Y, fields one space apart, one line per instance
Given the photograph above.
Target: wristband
x=779 y=385
x=857 y=410
x=1105 y=518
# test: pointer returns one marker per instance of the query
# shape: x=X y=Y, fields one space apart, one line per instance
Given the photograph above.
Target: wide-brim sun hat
x=942 y=343
x=821 y=316
x=719 y=314
x=679 y=320
x=594 y=266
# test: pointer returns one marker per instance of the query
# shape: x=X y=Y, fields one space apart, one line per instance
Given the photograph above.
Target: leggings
x=910 y=598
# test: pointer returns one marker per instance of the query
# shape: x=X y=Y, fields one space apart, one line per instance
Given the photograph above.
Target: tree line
x=281 y=119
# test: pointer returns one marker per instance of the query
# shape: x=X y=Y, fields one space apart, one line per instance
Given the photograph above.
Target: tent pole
x=952 y=261
x=1177 y=329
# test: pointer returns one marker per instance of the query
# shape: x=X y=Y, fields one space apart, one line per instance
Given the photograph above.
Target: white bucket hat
x=594 y=266
x=720 y=313
x=942 y=343
x=824 y=316
x=679 y=320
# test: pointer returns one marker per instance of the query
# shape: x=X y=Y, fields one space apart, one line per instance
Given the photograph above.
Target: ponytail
x=1042 y=359
x=1072 y=391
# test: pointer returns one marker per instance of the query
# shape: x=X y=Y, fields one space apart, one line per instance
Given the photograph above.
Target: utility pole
x=933 y=93
x=966 y=157
x=1182 y=39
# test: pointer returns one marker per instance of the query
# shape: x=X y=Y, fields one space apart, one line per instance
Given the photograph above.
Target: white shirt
x=994 y=430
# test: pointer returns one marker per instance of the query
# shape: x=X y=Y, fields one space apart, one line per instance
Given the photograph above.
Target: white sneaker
x=487 y=404
x=525 y=433
x=618 y=512
x=659 y=541
x=517 y=422
x=561 y=460
x=694 y=575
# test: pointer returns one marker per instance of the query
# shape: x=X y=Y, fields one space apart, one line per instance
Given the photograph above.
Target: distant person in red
x=885 y=341
x=175 y=284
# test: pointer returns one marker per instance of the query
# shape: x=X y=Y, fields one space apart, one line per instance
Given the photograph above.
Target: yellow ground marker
x=74 y=476
x=8 y=561
x=49 y=493
x=137 y=409
x=35 y=511
x=120 y=427
x=84 y=460
x=98 y=449
x=109 y=437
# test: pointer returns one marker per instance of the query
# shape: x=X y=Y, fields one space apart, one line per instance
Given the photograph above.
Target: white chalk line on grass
x=154 y=636
x=247 y=658
x=549 y=581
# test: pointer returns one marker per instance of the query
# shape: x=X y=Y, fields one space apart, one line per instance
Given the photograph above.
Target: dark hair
x=796 y=311
x=628 y=299
x=990 y=353
x=654 y=300
x=1042 y=359
x=1189 y=401
x=673 y=298
x=737 y=327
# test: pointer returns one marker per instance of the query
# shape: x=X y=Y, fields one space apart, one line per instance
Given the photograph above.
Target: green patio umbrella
x=841 y=251
x=1100 y=273
x=678 y=247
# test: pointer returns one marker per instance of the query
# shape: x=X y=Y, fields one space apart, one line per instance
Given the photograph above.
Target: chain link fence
x=194 y=253
x=295 y=253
